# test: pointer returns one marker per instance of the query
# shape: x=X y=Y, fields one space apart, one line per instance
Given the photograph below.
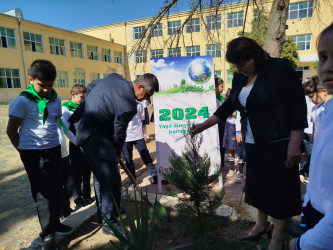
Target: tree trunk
x=275 y=35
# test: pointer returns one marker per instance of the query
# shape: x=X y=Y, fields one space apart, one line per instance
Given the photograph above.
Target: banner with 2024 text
x=186 y=94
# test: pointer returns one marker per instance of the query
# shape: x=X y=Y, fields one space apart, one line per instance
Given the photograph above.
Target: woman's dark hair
x=327 y=29
x=43 y=70
x=242 y=49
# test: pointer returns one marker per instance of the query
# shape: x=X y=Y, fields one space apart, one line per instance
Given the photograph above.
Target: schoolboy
x=319 y=96
x=135 y=136
x=32 y=129
x=80 y=171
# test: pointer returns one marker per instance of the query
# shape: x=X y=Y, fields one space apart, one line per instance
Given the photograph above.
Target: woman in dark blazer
x=271 y=100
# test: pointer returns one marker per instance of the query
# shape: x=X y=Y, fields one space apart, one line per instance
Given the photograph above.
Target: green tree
x=315 y=64
x=183 y=82
x=289 y=51
x=191 y=173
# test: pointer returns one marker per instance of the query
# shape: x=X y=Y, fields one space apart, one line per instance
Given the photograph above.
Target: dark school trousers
x=80 y=171
x=107 y=184
x=306 y=147
x=67 y=183
x=221 y=126
x=144 y=153
x=43 y=169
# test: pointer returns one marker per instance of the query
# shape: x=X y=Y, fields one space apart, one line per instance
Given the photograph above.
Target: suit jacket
x=103 y=117
x=275 y=106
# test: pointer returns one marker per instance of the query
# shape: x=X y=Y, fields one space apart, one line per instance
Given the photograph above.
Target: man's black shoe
x=62 y=229
x=67 y=212
x=164 y=182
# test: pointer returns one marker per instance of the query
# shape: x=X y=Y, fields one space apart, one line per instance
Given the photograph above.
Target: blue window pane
x=303 y=13
x=293 y=6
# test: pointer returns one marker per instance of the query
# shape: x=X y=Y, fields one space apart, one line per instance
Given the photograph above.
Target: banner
x=187 y=93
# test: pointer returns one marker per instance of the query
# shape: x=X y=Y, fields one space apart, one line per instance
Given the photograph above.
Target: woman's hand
x=196 y=129
x=239 y=138
x=294 y=148
x=211 y=121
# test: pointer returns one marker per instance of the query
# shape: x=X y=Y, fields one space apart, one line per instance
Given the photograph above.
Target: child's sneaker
x=240 y=177
x=231 y=174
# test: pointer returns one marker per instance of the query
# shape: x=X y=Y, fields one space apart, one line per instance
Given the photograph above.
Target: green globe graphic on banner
x=199 y=71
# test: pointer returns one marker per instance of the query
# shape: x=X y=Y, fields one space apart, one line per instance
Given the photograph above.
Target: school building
x=305 y=21
x=78 y=58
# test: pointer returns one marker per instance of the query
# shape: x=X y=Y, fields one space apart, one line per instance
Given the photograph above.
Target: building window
x=157 y=31
x=217 y=73
x=235 y=19
x=118 y=57
x=57 y=46
x=173 y=27
x=7 y=38
x=213 y=22
x=33 y=42
x=140 y=56
x=106 y=55
x=155 y=53
x=213 y=50
x=230 y=76
x=193 y=25
x=93 y=76
x=193 y=51
x=10 y=78
x=300 y=10
x=76 y=49
x=174 y=52
x=62 y=80
x=139 y=32
x=92 y=52
x=79 y=78
x=303 y=42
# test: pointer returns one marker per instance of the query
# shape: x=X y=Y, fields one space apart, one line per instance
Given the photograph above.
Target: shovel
x=159 y=209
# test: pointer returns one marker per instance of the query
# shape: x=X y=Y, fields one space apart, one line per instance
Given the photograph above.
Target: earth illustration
x=200 y=71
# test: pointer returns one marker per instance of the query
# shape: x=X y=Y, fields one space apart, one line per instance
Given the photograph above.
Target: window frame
x=196 y=52
x=91 y=53
x=55 y=46
x=75 y=50
x=192 y=27
x=6 y=77
x=62 y=79
x=157 y=31
x=175 y=52
x=156 y=53
x=306 y=42
x=33 y=42
x=138 y=32
x=118 y=57
x=140 y=56
x=106 y=57
x=213 y=50
x=92 y=76
x=212 y=22
x=308 y=8
x=6 y=37
x=80 y=79
x=174 y=27
x=235 y=20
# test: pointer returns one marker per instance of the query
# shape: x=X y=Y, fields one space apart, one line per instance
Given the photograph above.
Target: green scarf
x=220 y=97
x=70 y=105
x=32 y=95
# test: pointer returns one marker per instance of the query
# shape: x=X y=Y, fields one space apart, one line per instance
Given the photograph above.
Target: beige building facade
x=209 y=34
x=78 y=58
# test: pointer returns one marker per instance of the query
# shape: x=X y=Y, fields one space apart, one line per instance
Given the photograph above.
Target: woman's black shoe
x=258 y=236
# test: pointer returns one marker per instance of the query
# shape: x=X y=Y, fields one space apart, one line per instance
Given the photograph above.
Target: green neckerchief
x=220 y=97
x=70 y=105
x=32 y=95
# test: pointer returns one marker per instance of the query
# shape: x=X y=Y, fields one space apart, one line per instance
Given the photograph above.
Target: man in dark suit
x=101 y=131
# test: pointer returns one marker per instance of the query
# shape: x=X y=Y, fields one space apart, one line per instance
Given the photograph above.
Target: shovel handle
x=137 y=186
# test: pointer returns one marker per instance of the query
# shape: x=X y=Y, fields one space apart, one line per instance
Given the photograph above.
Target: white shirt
x=320 y=187
x=317 y=117
x=33 y=134
x=242 y=99
x=66 y=113
x=134 y=130
x=310 y=106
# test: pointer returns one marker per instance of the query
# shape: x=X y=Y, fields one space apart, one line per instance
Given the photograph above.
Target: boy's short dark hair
x=43 y=70
x=79 y=89
x=217 y=81
x=313 y=86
